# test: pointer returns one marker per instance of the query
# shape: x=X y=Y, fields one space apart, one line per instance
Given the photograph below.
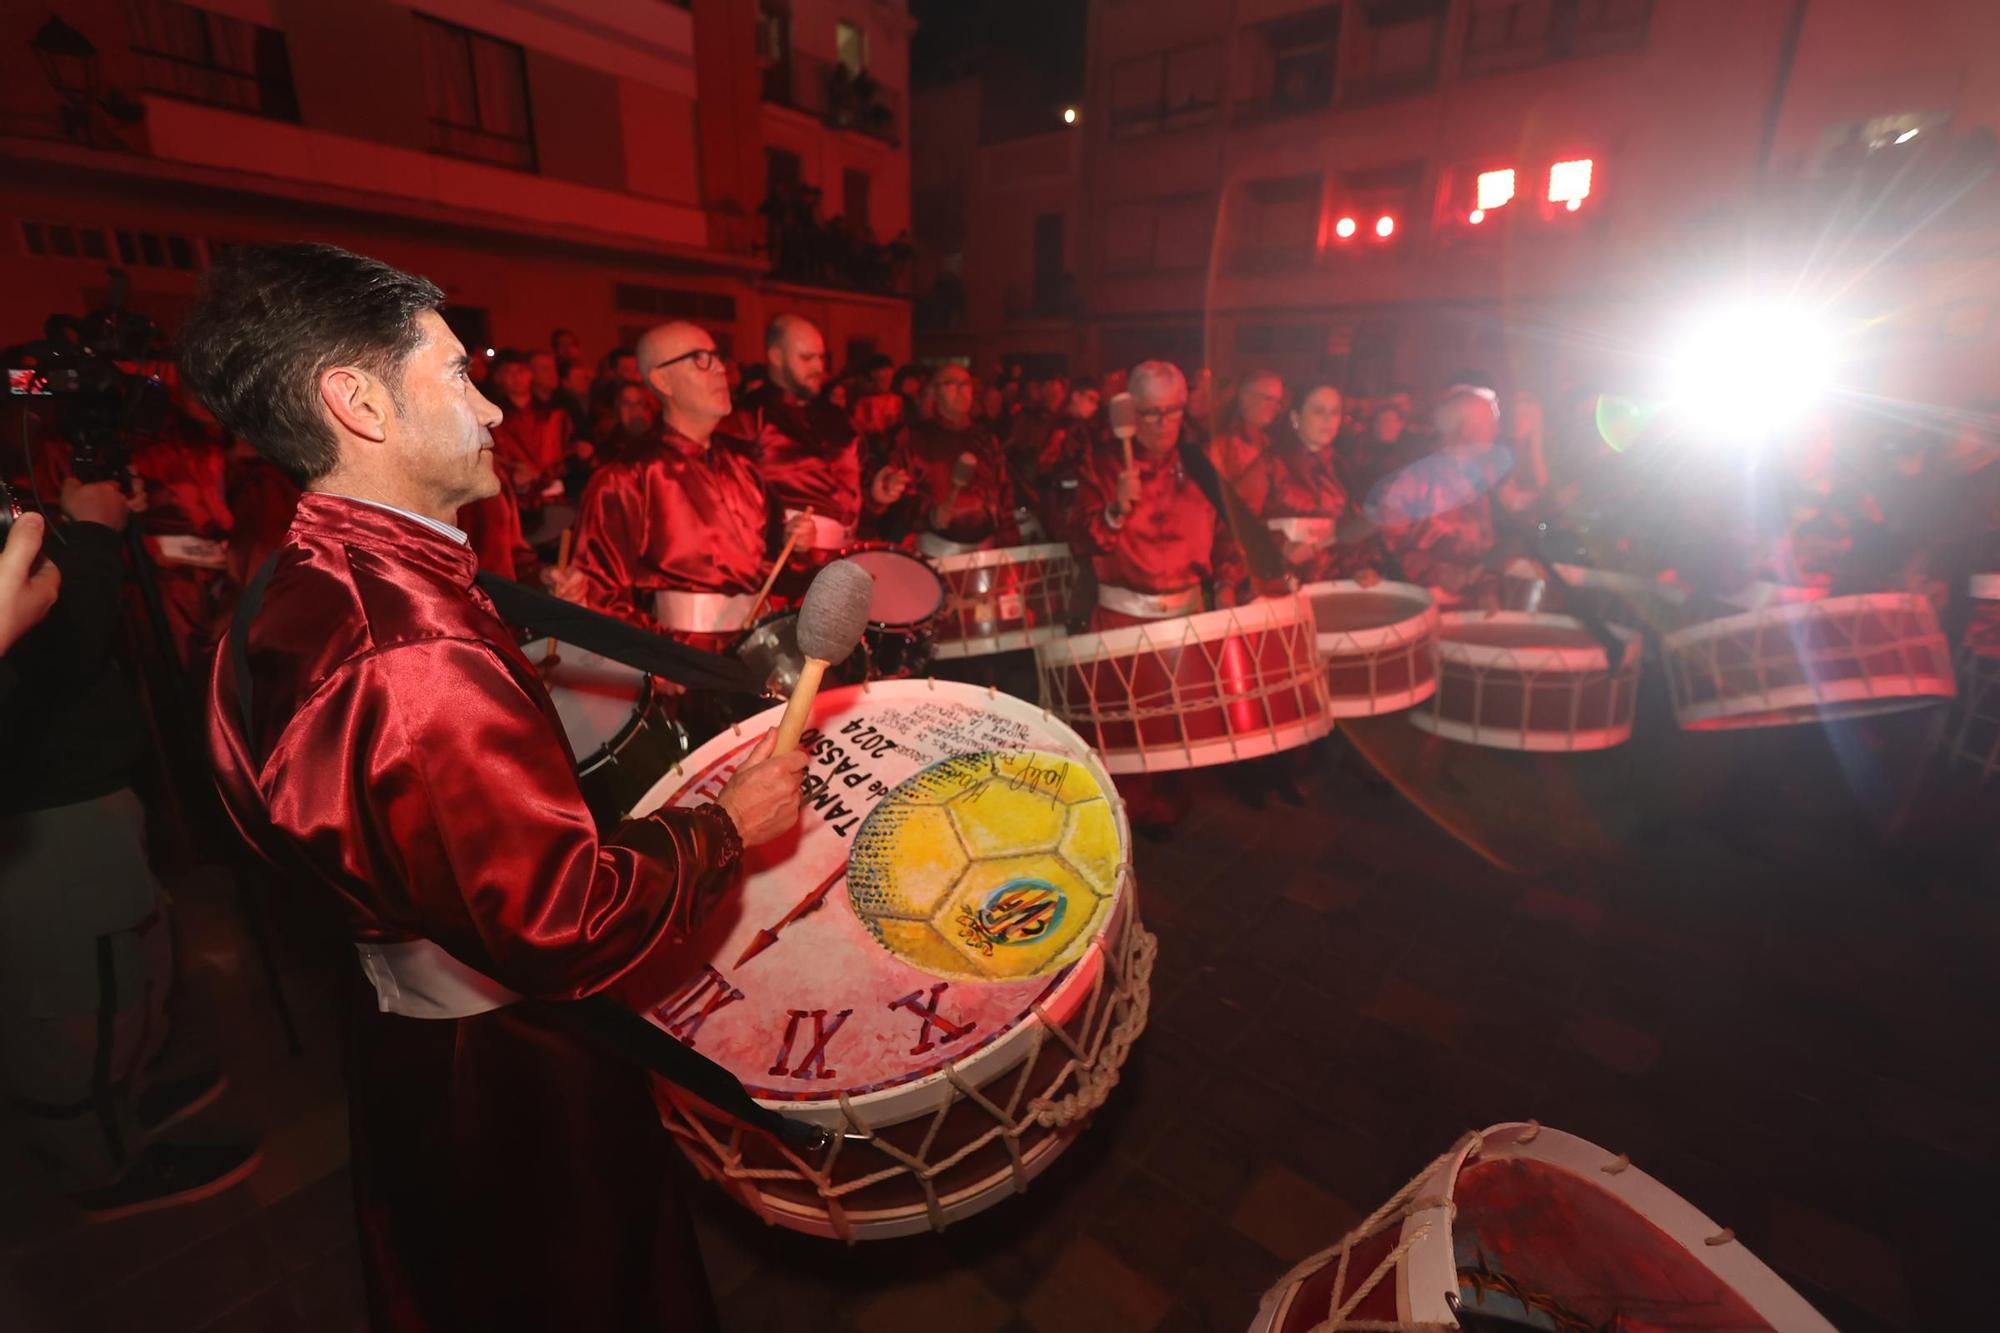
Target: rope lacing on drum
x=1112 y=1018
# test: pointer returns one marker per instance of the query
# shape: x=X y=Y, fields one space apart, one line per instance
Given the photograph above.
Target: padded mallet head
x=835 y=611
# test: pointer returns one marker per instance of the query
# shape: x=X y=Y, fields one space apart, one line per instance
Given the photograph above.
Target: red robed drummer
x=403 y=765
x=680 y=531
x=1154 y=537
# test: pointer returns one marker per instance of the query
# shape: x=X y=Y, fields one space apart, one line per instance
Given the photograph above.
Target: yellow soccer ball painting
x=988 y=867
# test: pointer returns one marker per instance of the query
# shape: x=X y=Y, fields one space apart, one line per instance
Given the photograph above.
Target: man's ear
x=358 y=401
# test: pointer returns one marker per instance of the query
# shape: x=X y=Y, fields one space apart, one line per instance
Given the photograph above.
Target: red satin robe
x=983 y=511
x=1238 y=457
x=406 y=769
x=493 y=527
x=532 y=439
x=807 y=453
x=1296 y=482
x=671 y=514
x=1173 y=539
x=1436 y=516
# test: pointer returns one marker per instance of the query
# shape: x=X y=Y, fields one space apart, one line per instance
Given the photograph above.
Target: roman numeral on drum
x=710 y=992
x=928 y=1011
x=814 y=1065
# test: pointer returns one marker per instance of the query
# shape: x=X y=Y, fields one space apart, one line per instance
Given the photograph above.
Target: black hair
x=269 y=320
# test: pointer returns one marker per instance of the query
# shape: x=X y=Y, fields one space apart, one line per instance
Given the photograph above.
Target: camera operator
x=85 y=952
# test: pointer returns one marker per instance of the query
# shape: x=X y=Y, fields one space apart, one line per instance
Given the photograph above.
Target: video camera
x=94 y=367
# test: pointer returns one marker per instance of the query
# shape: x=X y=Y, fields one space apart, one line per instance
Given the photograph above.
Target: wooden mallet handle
x=798 y=708
x=549 y=657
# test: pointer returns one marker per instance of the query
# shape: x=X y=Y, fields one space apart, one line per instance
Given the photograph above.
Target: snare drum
x=1379 y=643
x=1516 y=680
x=902 y=613
x=1191 y=690
x=1006 y=600
x=1535 y=1228
x=1808 y=661
x=946 y=966
x=618 y=726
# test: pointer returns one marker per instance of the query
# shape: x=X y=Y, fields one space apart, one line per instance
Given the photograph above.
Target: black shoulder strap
x=597 y=1018
x=546 y=616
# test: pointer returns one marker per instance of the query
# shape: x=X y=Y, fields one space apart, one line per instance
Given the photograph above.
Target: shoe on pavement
x=168 y=1175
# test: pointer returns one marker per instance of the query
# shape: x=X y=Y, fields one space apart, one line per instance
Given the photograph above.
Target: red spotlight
x=1344 y=228
x=1385 y=226
x=1476 y=216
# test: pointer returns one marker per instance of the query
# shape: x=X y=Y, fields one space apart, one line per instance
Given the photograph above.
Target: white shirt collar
x=431 y=523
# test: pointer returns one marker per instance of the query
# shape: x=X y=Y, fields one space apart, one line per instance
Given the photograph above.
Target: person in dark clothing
x=85 y=954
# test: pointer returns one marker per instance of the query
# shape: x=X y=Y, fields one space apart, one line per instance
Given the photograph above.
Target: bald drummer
x=678 y=532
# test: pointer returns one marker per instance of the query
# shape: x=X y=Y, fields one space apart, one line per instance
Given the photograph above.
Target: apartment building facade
x=1300 y=185
x=591 y=164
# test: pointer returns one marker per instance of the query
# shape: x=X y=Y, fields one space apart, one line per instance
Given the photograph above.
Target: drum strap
x=597 y=1019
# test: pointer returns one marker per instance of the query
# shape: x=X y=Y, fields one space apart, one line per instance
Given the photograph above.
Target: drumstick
x=829 y=626
x=768 y=936
x=549 y=656
x=777 y=566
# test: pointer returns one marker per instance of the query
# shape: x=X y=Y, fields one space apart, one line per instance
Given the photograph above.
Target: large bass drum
x=945 y=966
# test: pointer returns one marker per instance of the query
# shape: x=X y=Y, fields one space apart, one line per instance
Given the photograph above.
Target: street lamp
x=69 y=62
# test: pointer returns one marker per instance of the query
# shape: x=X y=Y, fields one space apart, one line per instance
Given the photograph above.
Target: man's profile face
x=1162 y=406
x=798 y=362
x=635 y=410
x=1259 y=401
x=685 y=384
x=442 y=437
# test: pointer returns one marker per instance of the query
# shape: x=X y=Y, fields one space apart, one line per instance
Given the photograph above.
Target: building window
x=1275 y=224
x=477 y=89
x=63 y=240
x=850 y=46
x=854 y=198
x=212 y=58
x=1501 y=34
x=1289 y=63
x=1171 y=90
x=1401 y=42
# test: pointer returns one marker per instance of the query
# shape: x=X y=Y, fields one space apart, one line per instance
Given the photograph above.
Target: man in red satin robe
x=388 y=746
x=677 y=534
x=807 y=450
x=951 y=516
x=1154 y=538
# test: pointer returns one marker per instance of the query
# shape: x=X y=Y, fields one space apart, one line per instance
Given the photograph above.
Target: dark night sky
x=1030 y=54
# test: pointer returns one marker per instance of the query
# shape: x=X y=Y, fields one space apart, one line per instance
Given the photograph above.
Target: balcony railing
x=825 y=88
x=218 y=85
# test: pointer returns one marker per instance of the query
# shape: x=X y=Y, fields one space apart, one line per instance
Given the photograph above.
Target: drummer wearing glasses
x=1156 y=541
x=679 y=531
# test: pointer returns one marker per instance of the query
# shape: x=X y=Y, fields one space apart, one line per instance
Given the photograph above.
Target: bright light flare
x=1569 y=182
x=1494 y=188
x=1745 y=371
x=1069 y=115
x=1476 y=216
x=1385 y=226
x=1906 y=136
x=1345 y=228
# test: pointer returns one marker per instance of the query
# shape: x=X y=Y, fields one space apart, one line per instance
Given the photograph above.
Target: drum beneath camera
x=903 y=612
x=1192 y=690
x=1533 y=1228
x=946 y=965
x=1379 y=642
x=1004 y=601
x=618 y=724
x=1517 y=680
x=1808 y=661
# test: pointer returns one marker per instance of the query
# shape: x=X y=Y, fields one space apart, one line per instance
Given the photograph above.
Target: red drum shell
x=1517 y=680
x=1379 y=644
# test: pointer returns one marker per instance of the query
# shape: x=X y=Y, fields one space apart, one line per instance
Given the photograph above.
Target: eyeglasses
x=704 y=358
x=1153 y=416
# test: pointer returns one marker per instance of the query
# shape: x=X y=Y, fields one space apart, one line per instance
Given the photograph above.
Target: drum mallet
x=777 y=568
x=831 y=620
x=1124 y=415
x=550 y=657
